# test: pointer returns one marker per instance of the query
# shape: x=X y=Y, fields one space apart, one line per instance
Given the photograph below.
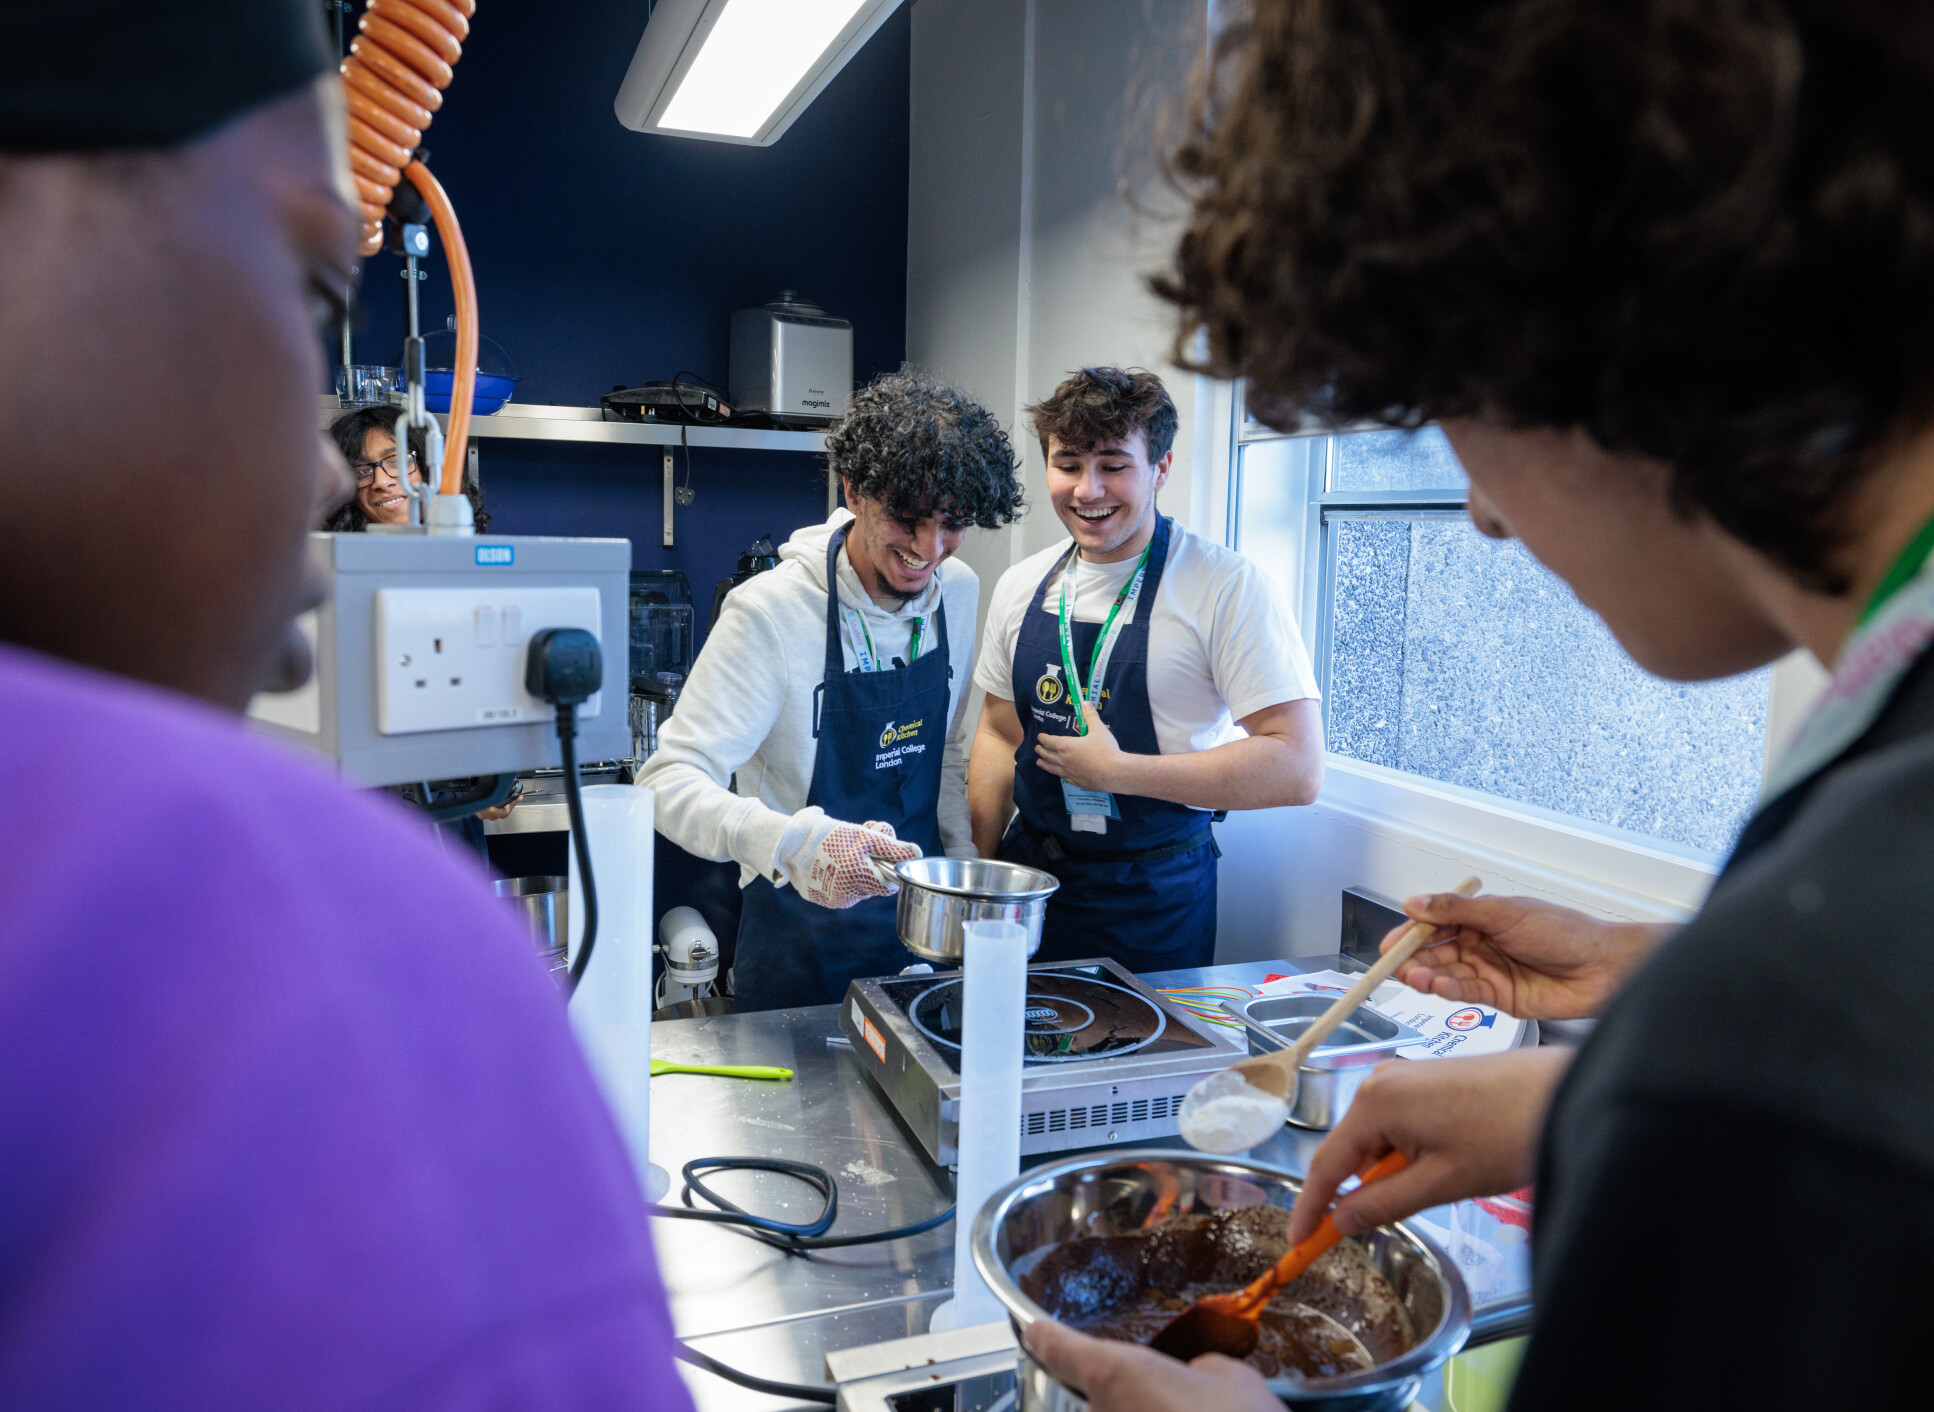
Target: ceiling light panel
x=740 y=70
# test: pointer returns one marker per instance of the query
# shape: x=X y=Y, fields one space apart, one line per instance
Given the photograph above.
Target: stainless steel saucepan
x=939 y=896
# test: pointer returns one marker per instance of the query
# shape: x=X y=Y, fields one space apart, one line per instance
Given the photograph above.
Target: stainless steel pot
x=1330 y=1077
x=543 y=905
x=1119 y=1192
x=939 y=896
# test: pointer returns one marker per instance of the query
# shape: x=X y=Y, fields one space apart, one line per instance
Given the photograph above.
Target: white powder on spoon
x=1226 y=1113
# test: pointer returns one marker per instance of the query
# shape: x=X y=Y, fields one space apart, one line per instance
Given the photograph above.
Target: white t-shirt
x=1220 y=645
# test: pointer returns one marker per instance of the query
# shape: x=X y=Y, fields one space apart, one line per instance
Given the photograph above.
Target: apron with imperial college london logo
x=1137 y=875
x=880 y=731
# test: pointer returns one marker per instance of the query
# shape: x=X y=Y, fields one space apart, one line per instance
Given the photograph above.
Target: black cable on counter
x=795 y=1237
x=685 y=1353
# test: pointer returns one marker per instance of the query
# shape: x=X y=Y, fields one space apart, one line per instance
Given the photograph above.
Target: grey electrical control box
x=420 y=649
x=792 y=361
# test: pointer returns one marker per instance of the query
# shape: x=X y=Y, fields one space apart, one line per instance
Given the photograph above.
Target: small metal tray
x=1330 y=1077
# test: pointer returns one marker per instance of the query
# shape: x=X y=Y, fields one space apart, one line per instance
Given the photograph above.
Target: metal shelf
x=586 y=424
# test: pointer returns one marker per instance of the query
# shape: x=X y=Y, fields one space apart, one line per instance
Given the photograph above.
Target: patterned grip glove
x=829 y=862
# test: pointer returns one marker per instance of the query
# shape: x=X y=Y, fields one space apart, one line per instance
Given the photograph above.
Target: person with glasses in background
x=367 y=439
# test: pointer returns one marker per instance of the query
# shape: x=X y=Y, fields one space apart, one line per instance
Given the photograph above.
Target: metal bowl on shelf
x=1120 y=1192
x=940 y=895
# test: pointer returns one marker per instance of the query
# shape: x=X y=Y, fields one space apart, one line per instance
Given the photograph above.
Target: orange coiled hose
x=393 y=82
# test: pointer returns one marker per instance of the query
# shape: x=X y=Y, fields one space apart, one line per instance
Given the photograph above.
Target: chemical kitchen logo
x=899 y=741
x=1470 y=1018
x=1049 y=690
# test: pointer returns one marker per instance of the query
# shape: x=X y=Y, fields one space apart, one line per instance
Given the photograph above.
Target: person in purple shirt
x=266 y=1140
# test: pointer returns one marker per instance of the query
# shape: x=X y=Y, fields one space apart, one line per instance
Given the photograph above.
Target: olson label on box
x=496 y=555
x=448 y=658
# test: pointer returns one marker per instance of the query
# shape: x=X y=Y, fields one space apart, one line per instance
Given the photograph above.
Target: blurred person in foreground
x=269 y=1141
x=1663 y=271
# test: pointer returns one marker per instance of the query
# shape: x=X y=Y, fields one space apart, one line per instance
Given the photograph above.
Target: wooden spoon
x=1231 y=1323
x=1277 y=1073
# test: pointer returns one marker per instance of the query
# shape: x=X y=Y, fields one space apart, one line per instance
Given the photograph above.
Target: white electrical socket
x=448 y=658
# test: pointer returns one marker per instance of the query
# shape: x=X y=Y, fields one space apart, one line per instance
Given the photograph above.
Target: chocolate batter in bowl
x=1118 y=1244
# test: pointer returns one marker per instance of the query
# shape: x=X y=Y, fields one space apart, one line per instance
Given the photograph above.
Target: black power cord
x=685 y=1353
x=796 y=1238
x=564 y=667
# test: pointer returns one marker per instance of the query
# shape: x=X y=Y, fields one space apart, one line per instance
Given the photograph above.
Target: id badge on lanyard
x=1089 y=810
x=861 y=641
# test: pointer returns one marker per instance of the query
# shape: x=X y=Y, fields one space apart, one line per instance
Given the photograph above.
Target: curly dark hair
x=349 y=432
x=1700 y=230
x=922 y=447
x=1107 y=404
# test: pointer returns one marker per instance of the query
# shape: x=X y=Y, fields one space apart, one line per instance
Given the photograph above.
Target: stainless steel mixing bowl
x=1118 y=1192
x=939 y=896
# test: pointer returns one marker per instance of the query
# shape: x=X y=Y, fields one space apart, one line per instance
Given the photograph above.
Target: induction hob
x=1108 y=1060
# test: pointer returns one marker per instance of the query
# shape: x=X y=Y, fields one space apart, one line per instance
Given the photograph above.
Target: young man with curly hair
x=1139 y=678
x=820 y=728
x=1664 y=272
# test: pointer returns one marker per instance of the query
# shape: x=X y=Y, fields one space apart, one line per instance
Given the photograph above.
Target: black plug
x=564 y=666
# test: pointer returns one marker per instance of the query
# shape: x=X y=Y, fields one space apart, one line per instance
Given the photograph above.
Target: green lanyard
x=1105 y=644
x=863 y=649
x=1911 y=559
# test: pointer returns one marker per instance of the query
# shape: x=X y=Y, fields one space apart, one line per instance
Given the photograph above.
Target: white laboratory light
x=740 y=70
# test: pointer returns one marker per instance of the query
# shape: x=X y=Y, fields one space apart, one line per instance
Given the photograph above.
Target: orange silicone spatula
x=1229 y=1323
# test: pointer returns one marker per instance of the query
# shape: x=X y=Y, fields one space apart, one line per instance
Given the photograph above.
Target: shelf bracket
x=670 y=490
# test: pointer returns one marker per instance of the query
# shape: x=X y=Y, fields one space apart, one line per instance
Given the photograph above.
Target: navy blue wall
x=605 y=257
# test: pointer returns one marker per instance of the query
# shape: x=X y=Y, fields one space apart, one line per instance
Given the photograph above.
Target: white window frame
x=1612 y=870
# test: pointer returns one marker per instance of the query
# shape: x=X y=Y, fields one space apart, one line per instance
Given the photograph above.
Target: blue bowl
x=492 y=391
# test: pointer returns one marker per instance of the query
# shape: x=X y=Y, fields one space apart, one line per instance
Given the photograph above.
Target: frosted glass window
x=1272 y=509
x=1395 y=460
x=1462 y=659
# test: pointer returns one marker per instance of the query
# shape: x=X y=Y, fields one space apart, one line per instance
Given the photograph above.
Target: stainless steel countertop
x=778 y=1315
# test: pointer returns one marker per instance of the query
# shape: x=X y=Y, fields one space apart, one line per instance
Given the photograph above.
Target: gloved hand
x=828 y=861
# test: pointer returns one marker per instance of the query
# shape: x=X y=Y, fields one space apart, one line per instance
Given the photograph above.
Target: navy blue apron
x=1143 y=893
x=881 y=737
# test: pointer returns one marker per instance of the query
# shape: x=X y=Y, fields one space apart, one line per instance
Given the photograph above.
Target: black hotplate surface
x=1074 y=1013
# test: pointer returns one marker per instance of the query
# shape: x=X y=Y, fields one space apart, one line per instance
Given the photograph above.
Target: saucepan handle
x=886 y=871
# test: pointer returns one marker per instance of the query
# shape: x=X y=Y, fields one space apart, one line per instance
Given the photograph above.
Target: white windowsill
x=1613 y=871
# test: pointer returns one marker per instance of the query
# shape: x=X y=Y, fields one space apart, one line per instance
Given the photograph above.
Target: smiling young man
x=820 y=727
x=1139 y=679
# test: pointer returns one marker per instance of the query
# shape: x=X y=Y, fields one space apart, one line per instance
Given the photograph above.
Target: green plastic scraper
x=724 y=1071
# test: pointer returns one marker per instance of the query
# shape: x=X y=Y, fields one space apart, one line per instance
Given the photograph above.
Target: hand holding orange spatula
x=1229 y=1323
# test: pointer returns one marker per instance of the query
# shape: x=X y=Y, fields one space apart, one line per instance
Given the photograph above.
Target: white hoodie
x=748 y=708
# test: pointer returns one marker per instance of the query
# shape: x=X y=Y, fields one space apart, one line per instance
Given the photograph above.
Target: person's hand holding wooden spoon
x=1238 y=1107
x=1528 y=958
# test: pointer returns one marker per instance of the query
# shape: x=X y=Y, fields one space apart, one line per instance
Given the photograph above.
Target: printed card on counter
x=1447 y=1026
